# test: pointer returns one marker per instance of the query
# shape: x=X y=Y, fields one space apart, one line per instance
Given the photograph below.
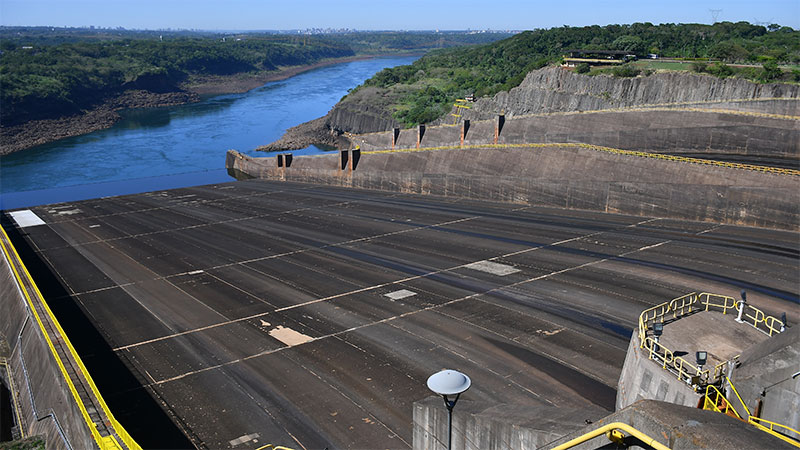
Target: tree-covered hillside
x=46 y=73
x=48 y=81
x=425 y=89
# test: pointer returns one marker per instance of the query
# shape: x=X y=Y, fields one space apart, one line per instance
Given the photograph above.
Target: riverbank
x=37 y=132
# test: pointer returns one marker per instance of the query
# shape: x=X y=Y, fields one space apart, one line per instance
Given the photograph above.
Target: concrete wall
x=559 y=176
x=46 y=404
x=642 y=378
x=734 y=137
x=769 y=366
x=482 y=426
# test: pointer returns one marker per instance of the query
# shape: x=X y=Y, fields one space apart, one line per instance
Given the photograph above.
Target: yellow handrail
x=712 y=403
x=609 y=428
x=684 y=369
x=733 y=388
x=688 y=304
x=107 y=442
x=771 y=429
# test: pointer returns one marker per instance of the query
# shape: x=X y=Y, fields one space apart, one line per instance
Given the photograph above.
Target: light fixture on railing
x=701 y=357
x=741 y=306
x=658 y=330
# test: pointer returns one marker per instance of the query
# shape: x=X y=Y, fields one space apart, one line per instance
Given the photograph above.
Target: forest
x=47 y=73
x=432 y=83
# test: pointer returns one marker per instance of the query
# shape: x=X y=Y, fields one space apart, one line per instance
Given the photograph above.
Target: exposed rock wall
x=362 y=112
x=554 y=89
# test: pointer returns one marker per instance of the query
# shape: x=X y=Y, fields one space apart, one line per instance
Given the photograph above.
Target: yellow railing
x=610 y=430
x=104 y=442
x=688 y=304
x=715 y=400
x=682 y=368
x=775 y=429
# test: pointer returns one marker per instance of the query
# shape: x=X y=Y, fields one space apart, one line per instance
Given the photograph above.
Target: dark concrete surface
x=260 y=308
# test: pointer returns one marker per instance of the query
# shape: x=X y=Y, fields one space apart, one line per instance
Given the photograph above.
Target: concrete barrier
x=482 y=425
x=567 y=176
x=485 y=426
x=45 y=405
x=642 y=378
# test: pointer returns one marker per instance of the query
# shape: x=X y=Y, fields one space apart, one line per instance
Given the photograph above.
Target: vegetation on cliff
x=425 y=90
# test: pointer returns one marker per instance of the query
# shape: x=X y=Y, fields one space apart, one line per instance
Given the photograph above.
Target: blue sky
x=383 y=14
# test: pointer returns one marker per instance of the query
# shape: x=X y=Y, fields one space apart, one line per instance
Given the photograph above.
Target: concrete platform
x=713 y=332
x=260 y=312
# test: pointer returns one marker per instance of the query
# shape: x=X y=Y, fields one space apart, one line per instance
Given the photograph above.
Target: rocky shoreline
x=36 y=132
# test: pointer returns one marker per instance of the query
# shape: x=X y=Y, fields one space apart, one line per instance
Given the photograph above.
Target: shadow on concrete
x=592 y=390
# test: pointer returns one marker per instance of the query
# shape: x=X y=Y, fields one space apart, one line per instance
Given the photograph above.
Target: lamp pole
x=448 y=383
x=449 y=404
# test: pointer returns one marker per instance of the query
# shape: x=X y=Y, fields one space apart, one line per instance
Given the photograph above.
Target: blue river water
x=170 y=147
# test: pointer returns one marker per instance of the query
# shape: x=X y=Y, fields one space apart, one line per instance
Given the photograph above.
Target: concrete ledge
x=560 y=176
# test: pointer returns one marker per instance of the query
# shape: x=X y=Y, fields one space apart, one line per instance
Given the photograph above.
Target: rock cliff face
x=554 y=89
x=547 y=90
x=363 y=111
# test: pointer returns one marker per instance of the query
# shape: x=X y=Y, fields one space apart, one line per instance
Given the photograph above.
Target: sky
x=387 y=15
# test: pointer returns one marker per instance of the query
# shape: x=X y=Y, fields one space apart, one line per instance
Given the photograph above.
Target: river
x=178 y=146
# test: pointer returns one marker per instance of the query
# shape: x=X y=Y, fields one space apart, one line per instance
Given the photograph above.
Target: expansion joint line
x=389 y=319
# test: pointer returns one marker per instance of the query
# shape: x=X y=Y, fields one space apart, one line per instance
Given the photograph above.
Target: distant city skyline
x=384 y=15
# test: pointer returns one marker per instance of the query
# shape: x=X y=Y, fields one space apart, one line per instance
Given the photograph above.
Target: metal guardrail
x=775 y=429
x=689 y=304
x=103 y=442
x=715 y=400
x=612 y=431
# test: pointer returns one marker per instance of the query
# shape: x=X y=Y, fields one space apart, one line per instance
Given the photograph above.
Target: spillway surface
x=309 y=316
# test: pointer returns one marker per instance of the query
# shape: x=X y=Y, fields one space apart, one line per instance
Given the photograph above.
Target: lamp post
x=448 y=383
